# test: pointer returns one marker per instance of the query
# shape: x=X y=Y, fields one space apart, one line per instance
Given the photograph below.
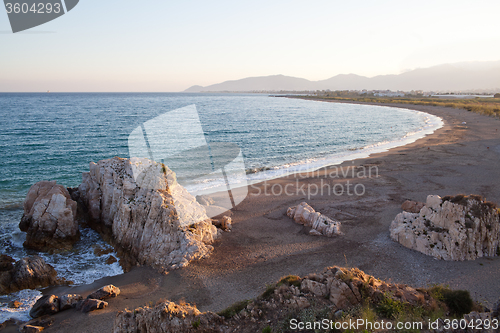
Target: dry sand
x=266 y=245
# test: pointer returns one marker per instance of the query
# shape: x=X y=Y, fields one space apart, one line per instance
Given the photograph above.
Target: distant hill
x=447 y=77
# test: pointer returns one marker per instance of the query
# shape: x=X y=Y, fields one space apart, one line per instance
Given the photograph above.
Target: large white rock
x=49 y=217
x=156 y=220
x=305 y=214
x=452 y=228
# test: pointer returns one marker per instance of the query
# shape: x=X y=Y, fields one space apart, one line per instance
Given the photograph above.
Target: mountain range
x=465 y=76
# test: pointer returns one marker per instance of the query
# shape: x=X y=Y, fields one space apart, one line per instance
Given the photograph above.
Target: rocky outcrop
x=333 y=290
x=167 y=317
x=49 y=217
x=145 y=213
x=319 y=224
x=450 y=228
x=28 y=273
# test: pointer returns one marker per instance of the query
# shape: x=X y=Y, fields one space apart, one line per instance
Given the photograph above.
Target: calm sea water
x=55 y=136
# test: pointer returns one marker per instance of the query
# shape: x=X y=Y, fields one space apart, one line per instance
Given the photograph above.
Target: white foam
x=431 y=123
x=81 y=265
x=26 y=297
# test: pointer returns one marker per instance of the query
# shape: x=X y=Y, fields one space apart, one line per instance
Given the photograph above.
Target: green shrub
x=267 y=329
x=196 y=323
x=290 y=280
x=458 y=302
x=390 y=308
x=234 y=309
x=269 y=291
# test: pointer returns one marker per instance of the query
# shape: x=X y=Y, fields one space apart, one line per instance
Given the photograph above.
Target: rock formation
x=69 y=301
x=45 y=305
x=51 y=304
x=91 y=304
x=28 y=273
x=320 y=224
x=167 y=317
x=49 y=217
x=333 y=290
x=450 y=228
x=145 y=213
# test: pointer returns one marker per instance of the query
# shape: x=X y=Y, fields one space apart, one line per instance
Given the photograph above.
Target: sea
x=54 y=136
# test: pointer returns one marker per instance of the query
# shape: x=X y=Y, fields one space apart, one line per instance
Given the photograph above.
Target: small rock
x=69 y=301
x=46 y=305
x=338 y=314
x=314 y=232
x=226 y=223
x=91 y=304
x=9 y=323
x=30 y=329
x=412 y=206
x=306 y=215
x=205 y=200
x=6 y=263
x=43 y=321
x=15 y=304
x=105 y=292
x=111 y=260
x=318 y=289
x=99 y=251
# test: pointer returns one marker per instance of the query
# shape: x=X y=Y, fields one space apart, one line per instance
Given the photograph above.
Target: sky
x=122 y=45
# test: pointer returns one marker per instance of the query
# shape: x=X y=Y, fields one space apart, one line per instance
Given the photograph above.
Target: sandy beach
x=265 y=244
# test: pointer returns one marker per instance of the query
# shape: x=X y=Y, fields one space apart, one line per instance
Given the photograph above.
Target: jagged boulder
x=91 y=304
x=450 y=228
x=69 y=301
x=49 y=217
x=29 y=273
x=320 y=224
x=46 y=305
x=146 y=213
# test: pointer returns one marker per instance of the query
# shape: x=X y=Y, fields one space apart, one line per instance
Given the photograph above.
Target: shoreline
x=431 y=124
x=265 y=244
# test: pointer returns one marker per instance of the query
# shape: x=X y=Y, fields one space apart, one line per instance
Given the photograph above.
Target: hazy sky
x=122 y=45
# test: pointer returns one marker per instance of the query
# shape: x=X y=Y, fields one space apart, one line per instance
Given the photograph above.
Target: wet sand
x=265 y=244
